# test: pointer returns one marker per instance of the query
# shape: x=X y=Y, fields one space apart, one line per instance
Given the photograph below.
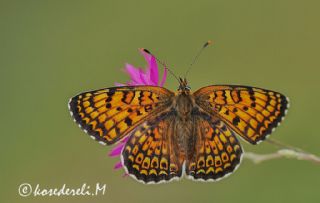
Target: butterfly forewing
x=111 y=113
x=251 y=112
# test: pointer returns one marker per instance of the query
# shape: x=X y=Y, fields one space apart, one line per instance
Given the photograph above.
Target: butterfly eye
x=183 y=88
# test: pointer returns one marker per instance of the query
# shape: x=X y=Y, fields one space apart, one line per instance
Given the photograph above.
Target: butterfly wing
x=217 y=151
x=109 y=114
x=251 y=112
x=149 y=155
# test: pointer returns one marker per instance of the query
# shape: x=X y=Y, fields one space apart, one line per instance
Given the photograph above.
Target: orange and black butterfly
x=171 y=134
x=175 y=133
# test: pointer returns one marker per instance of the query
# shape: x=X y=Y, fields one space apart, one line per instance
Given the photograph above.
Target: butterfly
x=172 y=134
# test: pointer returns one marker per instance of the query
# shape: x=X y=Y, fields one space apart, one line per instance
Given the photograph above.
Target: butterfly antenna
x=162 y=63
x=197 y=56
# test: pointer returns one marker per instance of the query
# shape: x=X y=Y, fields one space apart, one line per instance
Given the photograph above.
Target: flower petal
x=145 y=55
x=154 y=73
x=125 y=175
x=125 y=139
x=143 y=77
x=119 y=84
x=118 y=165
x=133 y=72
x=116 y=151
x=131 y=83
x=151 y=74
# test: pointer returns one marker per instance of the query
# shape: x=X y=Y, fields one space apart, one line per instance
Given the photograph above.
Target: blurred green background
x=52 y=50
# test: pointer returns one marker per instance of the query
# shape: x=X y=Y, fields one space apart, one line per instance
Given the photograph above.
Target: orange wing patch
x=148 y=155
x=251 y=112
x=217 y=151
x=110 y=114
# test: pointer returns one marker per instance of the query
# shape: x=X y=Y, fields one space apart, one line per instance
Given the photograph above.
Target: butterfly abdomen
x=183 y=135
x=183 y=125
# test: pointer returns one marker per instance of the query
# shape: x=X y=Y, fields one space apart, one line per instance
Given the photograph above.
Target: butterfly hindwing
x=251 y=112
x=149 y=156
x=217 y=151
x=111 y=113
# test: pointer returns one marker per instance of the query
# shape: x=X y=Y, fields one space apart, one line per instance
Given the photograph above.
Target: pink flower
x=138 y=76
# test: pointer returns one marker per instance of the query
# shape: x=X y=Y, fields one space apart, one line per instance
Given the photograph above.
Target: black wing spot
x=236 y=120
x=252 y=98
x=128 y=121
x=138 y=113
x=108 y=105
x=224 y=128
x=109 y=99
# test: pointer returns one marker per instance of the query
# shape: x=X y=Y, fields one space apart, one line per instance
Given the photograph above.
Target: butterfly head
x=183 y=86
